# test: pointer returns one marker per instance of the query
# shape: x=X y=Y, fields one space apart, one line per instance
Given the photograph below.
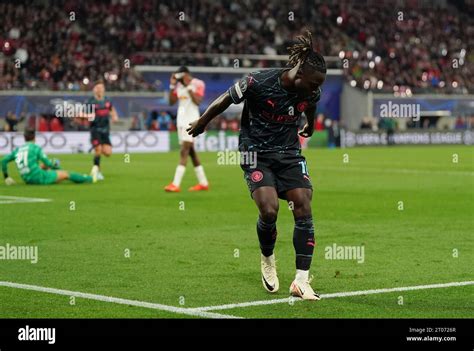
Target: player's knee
x=268 y=213
x=62 y=175
x=302 y=209
x=184 y=152
x=192 y=154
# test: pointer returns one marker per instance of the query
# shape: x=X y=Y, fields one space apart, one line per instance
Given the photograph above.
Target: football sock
x=267 y=234
x=303 y=242
x=97 y=161
x=302 y=276
x=178 y=175
x=201 y=176
x=79 y=178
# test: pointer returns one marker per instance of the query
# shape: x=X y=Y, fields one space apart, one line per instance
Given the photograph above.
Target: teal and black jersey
x=101 y=122
x=271 y=114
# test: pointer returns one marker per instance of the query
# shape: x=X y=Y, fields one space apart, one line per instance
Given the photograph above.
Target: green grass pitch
x=200 y=249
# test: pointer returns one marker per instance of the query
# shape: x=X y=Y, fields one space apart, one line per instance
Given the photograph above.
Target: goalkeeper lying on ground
x=27 y=158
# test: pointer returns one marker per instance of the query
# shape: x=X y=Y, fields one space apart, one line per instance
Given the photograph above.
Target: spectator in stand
x=150 y=122
x=319 y=123
x=223 y=124
x=135 y=124
x=234 y=124
x=366 y=123
x=390 y=125
x=460 y=123
x=11 y=122
x=164 y=121
x=56 y=124
x=426 y=50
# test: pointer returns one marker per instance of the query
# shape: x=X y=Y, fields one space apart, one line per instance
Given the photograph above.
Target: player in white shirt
x=189 y=92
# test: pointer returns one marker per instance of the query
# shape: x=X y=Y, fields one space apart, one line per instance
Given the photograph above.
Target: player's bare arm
x=218 y=106
x=114 y=114
x=85 y=115
x=308 y=128
x=5 y=161
x=173 y=97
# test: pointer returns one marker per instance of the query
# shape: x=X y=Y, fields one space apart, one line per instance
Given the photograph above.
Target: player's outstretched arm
x=5 y=161
x=218 y=106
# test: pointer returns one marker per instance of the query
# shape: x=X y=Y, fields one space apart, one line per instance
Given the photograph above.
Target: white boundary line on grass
x=203 y=311
x=332 y=295
x=119 y=301
x=20 y=200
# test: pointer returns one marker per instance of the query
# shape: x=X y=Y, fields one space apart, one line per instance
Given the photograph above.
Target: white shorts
x=183 y=134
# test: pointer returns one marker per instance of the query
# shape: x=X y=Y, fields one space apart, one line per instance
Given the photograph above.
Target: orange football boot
x=171 y=188
x=199 y=187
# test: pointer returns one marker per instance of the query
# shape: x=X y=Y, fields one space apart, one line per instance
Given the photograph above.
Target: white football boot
x=96 y=171
x=303 y=289
x=269 y=274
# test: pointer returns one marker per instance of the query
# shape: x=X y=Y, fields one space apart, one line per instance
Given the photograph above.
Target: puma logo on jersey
x=271 y=103
x=250 y=80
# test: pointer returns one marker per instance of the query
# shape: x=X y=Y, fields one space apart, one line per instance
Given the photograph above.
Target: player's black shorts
x=100 y=137
x=283 y=171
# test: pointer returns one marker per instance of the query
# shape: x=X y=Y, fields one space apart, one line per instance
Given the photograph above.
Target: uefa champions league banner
x=214 y=141
x=79 y=142
x=360 y=138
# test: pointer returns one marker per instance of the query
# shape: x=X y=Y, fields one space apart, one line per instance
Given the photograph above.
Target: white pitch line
x=19 y=200
x=332 y=295
x=155 y=306
x=5 y=202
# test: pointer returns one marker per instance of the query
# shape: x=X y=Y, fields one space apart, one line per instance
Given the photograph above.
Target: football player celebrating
x=190 y=92
x=100 y=125
x=274 y=101
x=28 y=157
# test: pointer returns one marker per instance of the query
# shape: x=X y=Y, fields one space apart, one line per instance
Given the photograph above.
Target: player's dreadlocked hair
x=303 y=51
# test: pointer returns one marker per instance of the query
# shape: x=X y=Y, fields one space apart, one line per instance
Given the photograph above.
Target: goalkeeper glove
x=56 y=163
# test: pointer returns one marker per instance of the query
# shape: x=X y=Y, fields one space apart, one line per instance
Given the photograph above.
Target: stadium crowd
x=66 y=44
